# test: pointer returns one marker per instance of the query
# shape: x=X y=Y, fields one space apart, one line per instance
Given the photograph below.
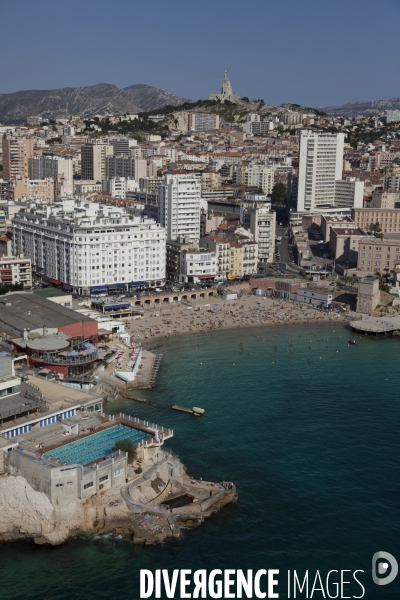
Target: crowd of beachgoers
x=246 y=311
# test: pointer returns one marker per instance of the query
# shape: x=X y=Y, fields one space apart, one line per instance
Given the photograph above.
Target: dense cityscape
x=121 y=231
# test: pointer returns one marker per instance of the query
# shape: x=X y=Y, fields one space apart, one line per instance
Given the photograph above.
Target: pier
x=376 y=325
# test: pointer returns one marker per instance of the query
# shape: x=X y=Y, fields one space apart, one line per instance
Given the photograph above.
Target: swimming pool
x=94 y=447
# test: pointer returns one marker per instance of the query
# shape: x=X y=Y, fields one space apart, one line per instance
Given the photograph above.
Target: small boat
x=353 y=342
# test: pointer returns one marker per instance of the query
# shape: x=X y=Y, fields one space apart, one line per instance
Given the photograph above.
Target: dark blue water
x=310 y=436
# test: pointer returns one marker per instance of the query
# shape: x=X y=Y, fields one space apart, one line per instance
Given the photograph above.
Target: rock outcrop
x=135 y=510
x=28 y=514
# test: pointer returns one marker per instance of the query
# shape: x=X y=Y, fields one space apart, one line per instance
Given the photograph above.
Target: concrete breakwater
x=137 y=509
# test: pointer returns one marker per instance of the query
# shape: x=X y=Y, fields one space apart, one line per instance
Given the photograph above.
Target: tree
x=126 y=446
x=279 y=193
x=375 y=228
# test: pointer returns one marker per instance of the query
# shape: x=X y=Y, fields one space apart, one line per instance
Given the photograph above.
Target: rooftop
x=26 y=310
x=50 y=293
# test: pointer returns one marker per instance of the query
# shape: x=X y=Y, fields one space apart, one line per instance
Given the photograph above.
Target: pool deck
x=54 y=436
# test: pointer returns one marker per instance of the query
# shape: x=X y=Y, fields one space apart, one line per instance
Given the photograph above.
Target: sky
x=309 y=52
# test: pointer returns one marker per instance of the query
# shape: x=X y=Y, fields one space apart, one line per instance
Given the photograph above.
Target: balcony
x=65 y=358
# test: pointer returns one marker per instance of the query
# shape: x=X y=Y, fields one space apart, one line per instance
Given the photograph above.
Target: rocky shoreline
x=142 y=510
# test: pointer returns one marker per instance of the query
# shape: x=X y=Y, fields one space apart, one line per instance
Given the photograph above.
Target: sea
x=305 y=425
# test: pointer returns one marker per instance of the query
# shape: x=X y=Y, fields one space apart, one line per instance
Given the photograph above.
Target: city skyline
x=307 y=58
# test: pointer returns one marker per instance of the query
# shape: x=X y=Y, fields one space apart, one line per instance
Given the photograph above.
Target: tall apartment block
x=55 y=167
x=16 y=154
x=179 y=207
x=320 y=165
x=93 y=157
x=125 y=166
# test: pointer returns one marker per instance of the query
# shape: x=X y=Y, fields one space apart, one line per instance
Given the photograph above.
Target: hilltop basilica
x=226 y=91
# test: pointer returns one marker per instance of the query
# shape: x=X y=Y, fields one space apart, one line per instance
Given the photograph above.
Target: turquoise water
x=87 y=450
x=309 y=436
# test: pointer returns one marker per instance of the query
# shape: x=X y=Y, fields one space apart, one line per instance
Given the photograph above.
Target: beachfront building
x=197 y=266
x=313 y=297
x=58 y=439
x=236 y=254
x=377 y=255
x=36 y=404
x=179 y=197
x=258 y=218
x=187 y=263
x=89 y=247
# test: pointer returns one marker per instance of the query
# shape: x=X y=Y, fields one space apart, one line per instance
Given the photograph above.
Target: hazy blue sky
x=312 y=52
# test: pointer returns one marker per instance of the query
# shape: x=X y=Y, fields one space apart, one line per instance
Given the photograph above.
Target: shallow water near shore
x=304 y=424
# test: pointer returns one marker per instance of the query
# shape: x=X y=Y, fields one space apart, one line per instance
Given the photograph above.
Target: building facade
x=375 y=255
x=89 y=246
x=179 y=199
x=259 y=176
x=388 y=219
x=93 y=160
x=258 y=218
x=16 y=269
x=202 y=121
x=349 y=193
x=197 y=266
x=125 y=166
x=16 y=154
x=55 y=167
x=320 y=165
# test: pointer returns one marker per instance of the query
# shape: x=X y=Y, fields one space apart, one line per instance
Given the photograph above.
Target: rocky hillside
x=100 y=99
x=367 y=108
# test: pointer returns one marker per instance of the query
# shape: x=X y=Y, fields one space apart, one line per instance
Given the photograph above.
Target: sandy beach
x=247 y=311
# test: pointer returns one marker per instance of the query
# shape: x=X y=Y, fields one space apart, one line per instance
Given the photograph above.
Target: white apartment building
x=320 y=166
x=125 y=166
x=258 y=127
x=349 y=193
x=313 y=297
x=258 y=218
x=179 y=199
x=118 y=187
x=202 y=121
x=197 y=266
x=88 y=247
x=93 y=161
x=16 y=269
x=260 y=176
